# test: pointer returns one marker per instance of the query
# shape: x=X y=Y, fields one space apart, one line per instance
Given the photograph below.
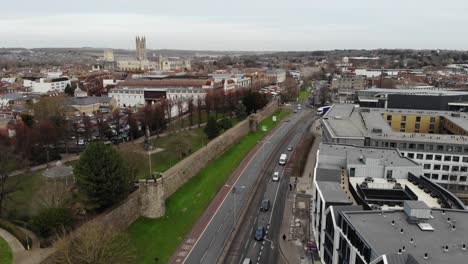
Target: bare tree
x=93 y=244
x=199 y=109
x=190 y=110
x=180 y=112
x=8 y=163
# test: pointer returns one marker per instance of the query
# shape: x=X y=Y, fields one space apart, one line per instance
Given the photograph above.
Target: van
x=283 y=158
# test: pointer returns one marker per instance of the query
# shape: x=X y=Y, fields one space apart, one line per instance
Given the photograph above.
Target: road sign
x=312 y=246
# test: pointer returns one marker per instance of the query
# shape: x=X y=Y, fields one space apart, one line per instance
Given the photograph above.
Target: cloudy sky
x=259 y=25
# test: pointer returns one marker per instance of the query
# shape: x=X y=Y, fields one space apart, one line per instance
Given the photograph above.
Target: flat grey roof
x=348 y=121
x=353 y=153
x=333 y=193
x=384 y=238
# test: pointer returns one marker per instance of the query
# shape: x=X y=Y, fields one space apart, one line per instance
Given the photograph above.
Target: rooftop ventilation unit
x=417 y=210
x=376 y=130
x=425 y=227
x=455 y=114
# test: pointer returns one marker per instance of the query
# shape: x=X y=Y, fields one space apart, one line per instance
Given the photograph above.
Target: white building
x=45 y=85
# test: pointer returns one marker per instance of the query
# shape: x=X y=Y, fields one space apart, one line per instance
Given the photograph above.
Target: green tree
x=240 y=111
x=69 y=90
x=50 y=221
x=225 y=123
x=103 y=176
x=212 y=128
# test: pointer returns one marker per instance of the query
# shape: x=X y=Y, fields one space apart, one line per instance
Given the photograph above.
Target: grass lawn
x=173 y=145
x=304 y=94
x=186 y=119
x=23 y=203
x=6 y=256
x=160 y=237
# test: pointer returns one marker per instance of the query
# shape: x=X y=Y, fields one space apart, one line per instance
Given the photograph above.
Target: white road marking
x=254 y=244
x=230 y=190
x=274 y=201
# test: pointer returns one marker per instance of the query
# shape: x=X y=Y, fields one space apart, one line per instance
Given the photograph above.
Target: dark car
x=259 y=233
x=265 y=205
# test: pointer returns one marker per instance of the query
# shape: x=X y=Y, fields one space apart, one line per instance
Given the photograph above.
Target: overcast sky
x=258 y=25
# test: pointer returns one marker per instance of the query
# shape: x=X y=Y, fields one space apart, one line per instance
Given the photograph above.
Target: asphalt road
x=243 y=244
x=209 y=246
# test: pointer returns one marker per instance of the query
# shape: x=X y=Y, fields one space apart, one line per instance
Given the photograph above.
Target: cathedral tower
x=141 y=48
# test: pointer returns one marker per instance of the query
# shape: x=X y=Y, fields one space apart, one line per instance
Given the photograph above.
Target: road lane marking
x=254 y=244
x=274 y=201
x=230 y=189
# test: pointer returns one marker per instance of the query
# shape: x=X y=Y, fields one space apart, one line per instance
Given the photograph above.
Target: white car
x=276 y=176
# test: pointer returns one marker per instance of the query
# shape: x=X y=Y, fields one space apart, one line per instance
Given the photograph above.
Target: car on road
x=81 y=142
x=276 y=176
x=265 y=205
x=247 y=261
x=290 y=148
x=259 y=233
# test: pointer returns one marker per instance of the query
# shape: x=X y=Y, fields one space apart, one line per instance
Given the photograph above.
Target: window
x=412 y=146
x=445 y=177
x=352 y=172
x=403 y=146
x=446 y=167
x=432 y=120
x=436 y=167
x=463 y=169
x=458 y=149
x=430 y=147
x=427 y=166
x=463 y=178
x=420 y=146
x=465 y=159
x=435 y=176
x=449 y=148
x=431 y=126
x=453 y=177
x=402 y=125
x=440 y=147
x=455 y=168
x=447 y=158
x=429 y=157
x=417 y=126
x=438 y=157
x=418 y=119
x=411 y=155
x=403 y=118
x=420 y=156
x=427 y=175
x=389 y=117
x=455 y=158
x=392 y=144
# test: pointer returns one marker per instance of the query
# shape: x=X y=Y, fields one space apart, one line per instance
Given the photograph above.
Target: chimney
x=446 y=249
x=411 y=240
x=401 y=231
x=464 y=247
x=399 y=251
x=393 y=222
x=426 y=256
x=453 y=227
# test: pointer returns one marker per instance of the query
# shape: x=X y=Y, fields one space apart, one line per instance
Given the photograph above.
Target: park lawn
x=186 y=119
x=22 y=203
x=159 y=238
x=304 y=94
x=6 y=255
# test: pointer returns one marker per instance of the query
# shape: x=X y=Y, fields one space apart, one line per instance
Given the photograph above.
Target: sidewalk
x=292 y=250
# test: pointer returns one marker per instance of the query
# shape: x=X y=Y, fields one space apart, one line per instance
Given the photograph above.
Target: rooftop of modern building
x=443 y=236
x=166 y=82
x=355 y=154
x=350 y=121
x=419 y=90
x=88 y=100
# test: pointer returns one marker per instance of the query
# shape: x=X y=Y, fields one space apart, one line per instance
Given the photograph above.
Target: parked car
x=276 y=176
x=265 y=205
x=290 y=148
x=259 y=233
x=247 y=261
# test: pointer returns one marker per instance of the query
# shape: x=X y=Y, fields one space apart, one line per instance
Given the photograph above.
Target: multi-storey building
x=45 y=85
x=348 y=82
x=436 y=139
x=372 y=206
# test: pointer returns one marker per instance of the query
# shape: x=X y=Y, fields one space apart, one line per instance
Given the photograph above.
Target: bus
x=322 y=110
x=283 y=158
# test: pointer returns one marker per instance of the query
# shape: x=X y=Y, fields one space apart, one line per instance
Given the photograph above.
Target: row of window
x=445 y=168
x=436 y=157
x=418 y=119
x=445 y=177
x=421 y=146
